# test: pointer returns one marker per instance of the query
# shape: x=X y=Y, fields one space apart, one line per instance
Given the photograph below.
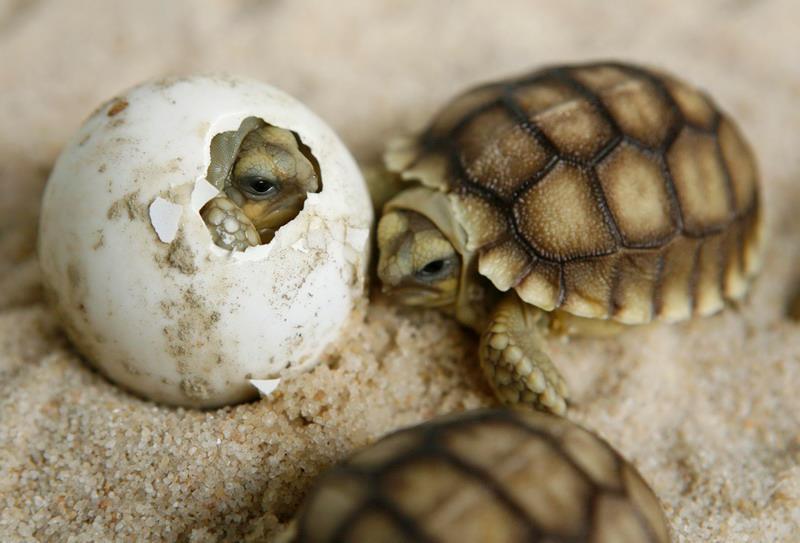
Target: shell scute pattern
x=497 y=148
x=597 y=164
x=485 y=476
x=632 y=175
x=558 y=217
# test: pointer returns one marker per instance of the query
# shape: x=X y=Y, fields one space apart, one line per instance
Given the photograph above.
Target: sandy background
x=708 y=411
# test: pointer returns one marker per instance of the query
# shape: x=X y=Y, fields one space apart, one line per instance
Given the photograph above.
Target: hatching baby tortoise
x=263 y=174
x=483 y=476
x=598 y=194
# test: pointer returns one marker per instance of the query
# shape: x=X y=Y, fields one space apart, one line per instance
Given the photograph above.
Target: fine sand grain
x=708 y=411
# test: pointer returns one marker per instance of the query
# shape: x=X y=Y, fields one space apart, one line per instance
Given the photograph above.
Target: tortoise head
x=417 y=264
x=271 y=178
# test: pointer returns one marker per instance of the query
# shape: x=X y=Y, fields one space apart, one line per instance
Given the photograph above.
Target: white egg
x=145 y=294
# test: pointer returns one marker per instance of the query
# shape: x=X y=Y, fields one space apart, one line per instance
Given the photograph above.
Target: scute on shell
x=607 y=190
x=487 y=476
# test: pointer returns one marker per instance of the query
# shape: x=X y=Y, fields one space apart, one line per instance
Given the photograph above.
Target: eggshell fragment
x=165 y=217
x=265 y=386
x=143 y=292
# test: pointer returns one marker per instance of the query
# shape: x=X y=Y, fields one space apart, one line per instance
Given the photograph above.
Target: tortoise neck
x=475 y=297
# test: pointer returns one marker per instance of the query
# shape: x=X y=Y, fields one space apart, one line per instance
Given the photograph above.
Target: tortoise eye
x=435 y=269
x=258 y=187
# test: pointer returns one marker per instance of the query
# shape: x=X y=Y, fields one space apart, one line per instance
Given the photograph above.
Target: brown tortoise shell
x=607 y=190
x=484 y=476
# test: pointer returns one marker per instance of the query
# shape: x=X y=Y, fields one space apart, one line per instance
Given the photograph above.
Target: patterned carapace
x=487 y=476
x=606 y=190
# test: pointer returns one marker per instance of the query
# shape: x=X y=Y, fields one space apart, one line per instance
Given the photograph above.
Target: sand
x=708 y=410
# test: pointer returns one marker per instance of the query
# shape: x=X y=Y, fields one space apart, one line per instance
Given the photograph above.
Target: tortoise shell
x=607 y=190
x=484 y=476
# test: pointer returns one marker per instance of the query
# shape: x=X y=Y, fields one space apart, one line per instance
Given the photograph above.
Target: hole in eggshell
x=263 y=174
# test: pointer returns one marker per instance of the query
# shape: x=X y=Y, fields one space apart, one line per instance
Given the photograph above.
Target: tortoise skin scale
x=484 y=476
x=607 y=190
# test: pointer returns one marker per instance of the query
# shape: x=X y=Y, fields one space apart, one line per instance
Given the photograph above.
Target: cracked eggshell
x=129 y=264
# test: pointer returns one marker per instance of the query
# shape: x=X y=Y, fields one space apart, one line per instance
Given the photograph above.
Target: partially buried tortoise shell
x=603 y=191
x=483 y=477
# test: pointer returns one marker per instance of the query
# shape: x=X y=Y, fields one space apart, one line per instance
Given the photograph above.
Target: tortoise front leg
x=229 y=226
x=512 y=357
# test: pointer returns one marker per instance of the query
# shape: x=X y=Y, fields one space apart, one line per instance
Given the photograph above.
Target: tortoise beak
x=414 y=294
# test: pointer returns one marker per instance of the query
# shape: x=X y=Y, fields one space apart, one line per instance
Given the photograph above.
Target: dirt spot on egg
x=131 y=368
x=128 y=204
x=77 y=290
x=99 y=242
x=74 y=277
x=195 y=387
x=118 y=106
x=179 y=255
x=166 y=82
x=191 y=332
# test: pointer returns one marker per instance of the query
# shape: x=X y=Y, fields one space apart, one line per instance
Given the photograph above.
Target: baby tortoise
x=483 y=476
x=599 y=195
x=264 y=174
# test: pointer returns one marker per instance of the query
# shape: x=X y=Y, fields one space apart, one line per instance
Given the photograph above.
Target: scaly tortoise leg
x=513 y=359
x=230 y=228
